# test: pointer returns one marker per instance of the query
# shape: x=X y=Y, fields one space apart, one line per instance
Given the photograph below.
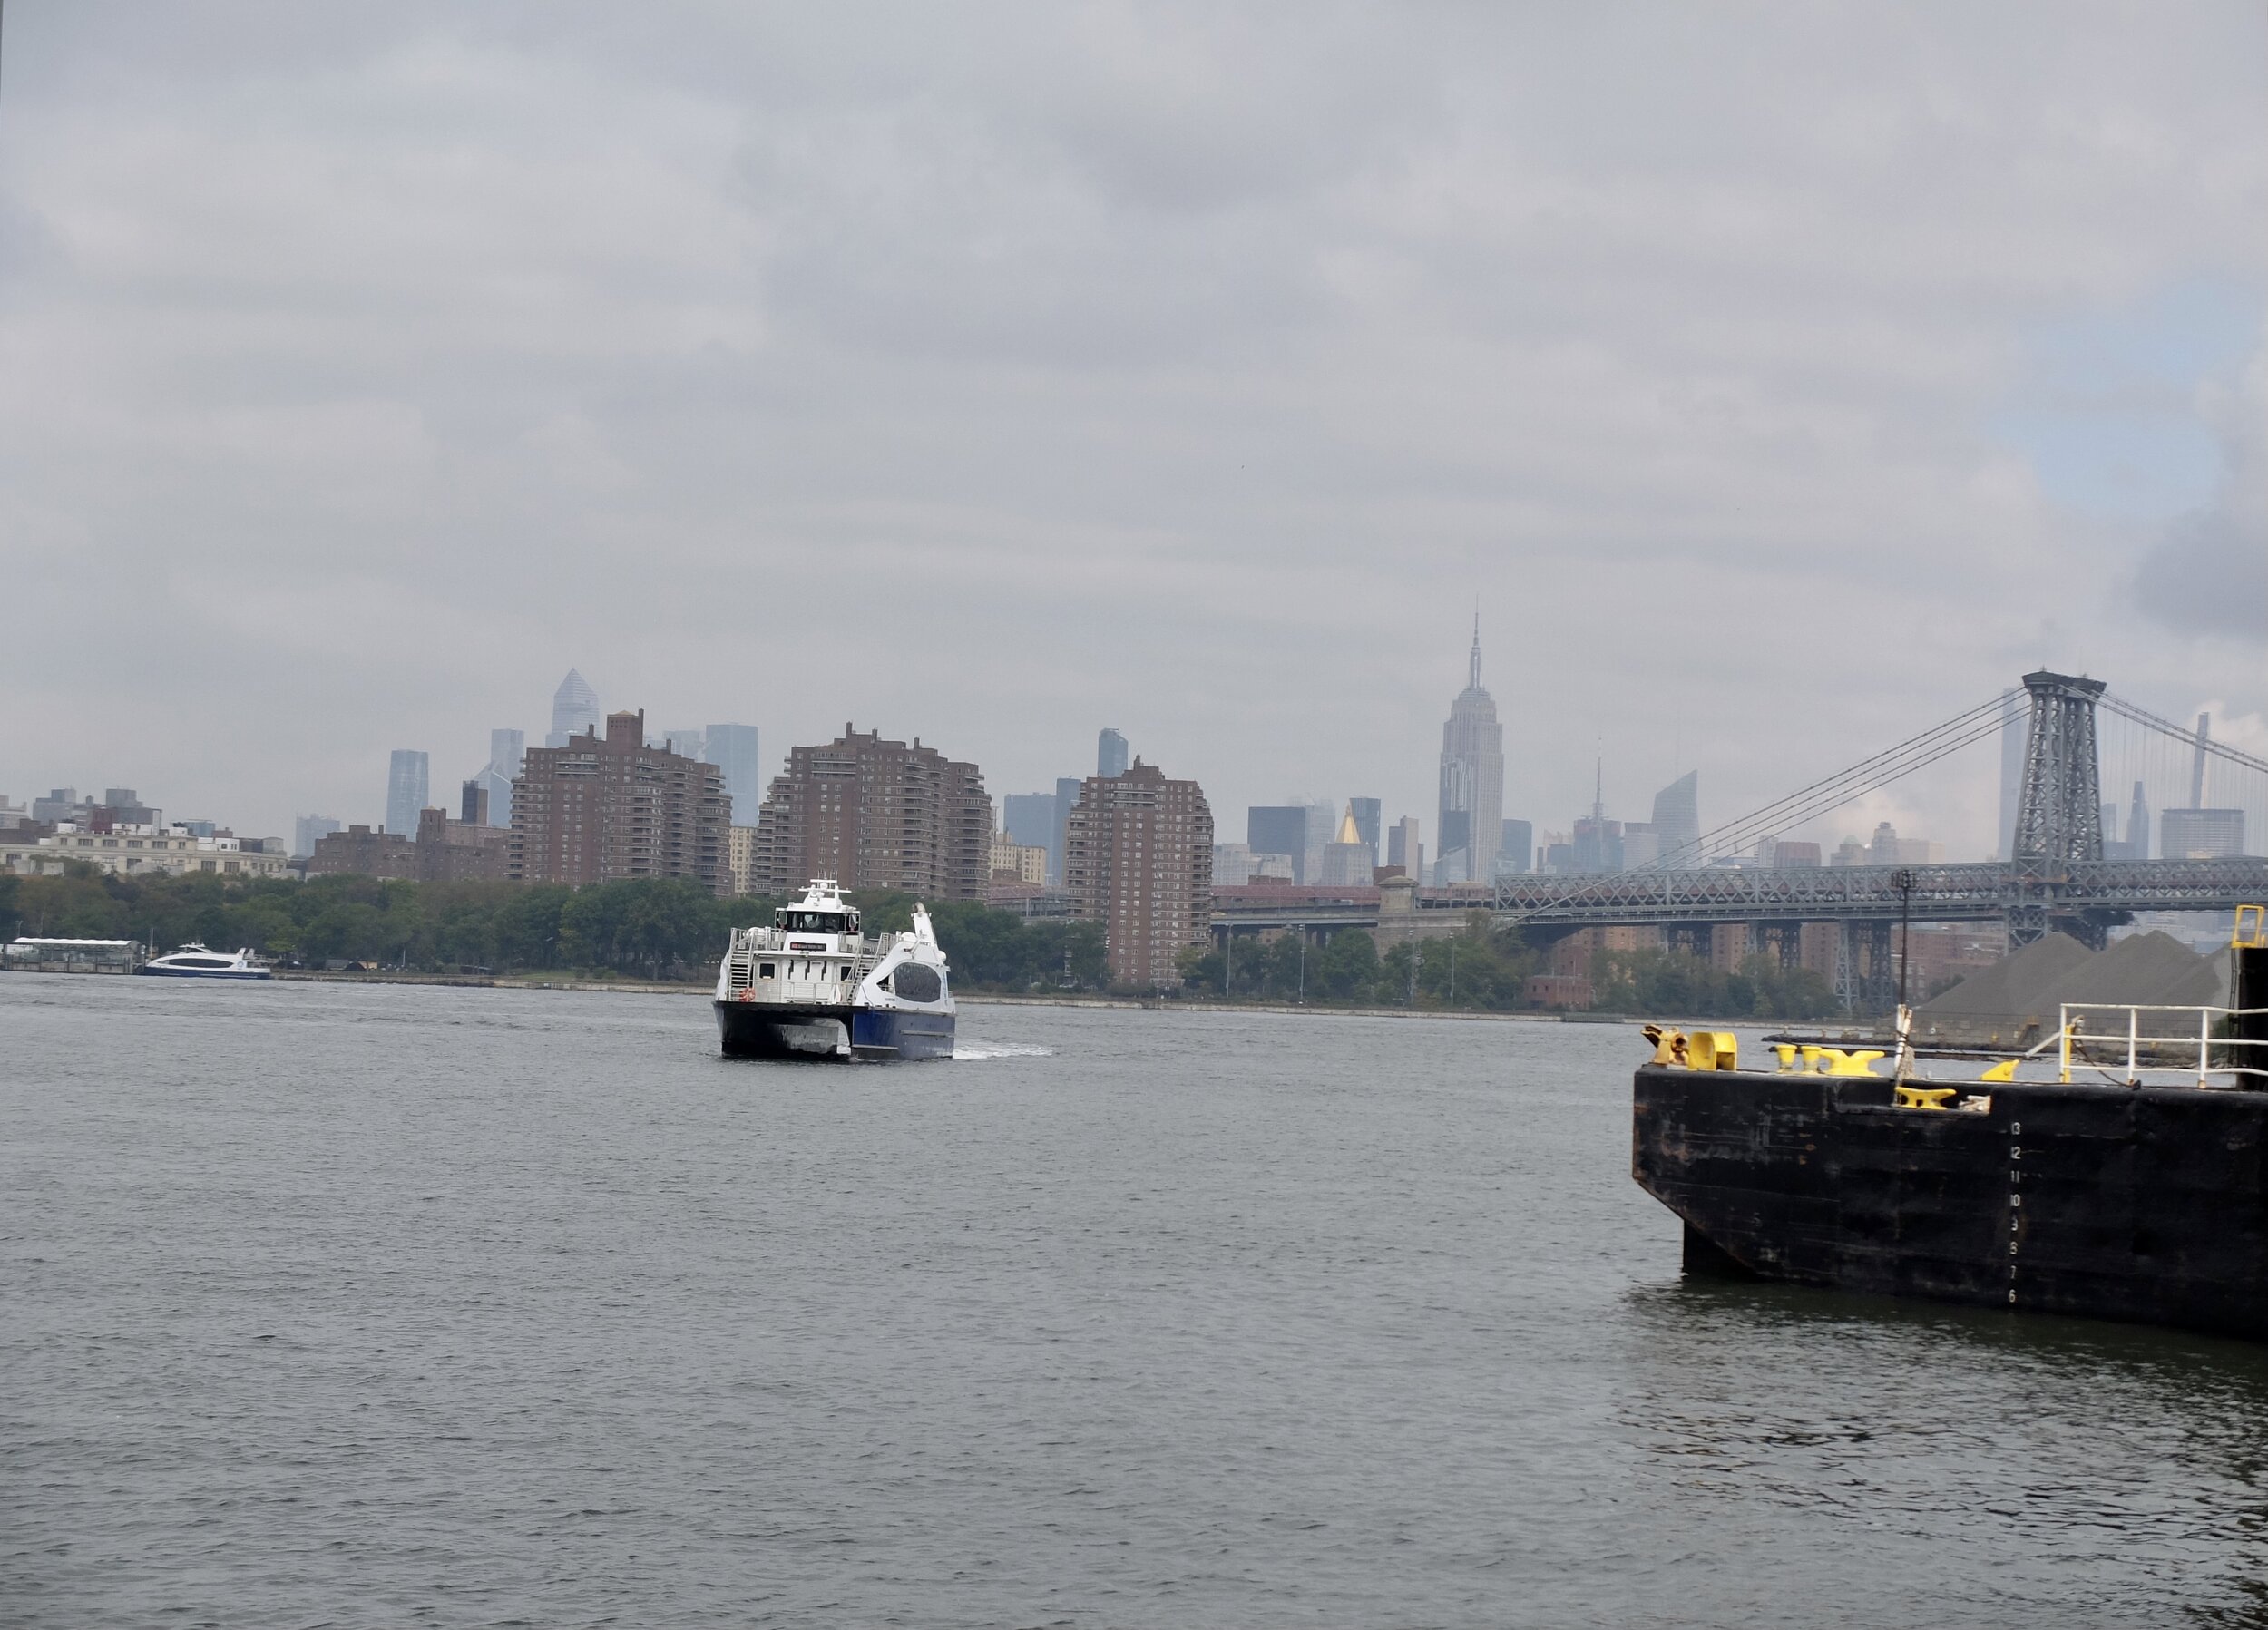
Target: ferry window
x=915 y=983
x=767 y=970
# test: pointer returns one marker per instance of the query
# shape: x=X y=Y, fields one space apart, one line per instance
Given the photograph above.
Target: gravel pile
x=2028 y=987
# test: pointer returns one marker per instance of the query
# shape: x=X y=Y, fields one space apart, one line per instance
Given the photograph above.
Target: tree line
x=657 y=928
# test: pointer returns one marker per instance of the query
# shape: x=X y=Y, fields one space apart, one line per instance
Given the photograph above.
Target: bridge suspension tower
x=2058 y=808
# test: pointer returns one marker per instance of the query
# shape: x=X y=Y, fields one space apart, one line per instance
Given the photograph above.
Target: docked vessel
x=196 y=961
x=812 y=986
x=2130 y=1183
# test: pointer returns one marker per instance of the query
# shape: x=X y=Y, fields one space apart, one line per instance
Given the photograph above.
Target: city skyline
x=1980 y=778
x=1244 y=421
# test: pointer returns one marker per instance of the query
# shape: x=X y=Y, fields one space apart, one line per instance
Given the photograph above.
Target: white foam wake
x=999 y=1049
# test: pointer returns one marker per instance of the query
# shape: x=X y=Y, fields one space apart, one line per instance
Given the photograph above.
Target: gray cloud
x=997 y=374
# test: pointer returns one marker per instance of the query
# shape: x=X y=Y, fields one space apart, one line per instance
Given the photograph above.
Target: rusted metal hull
x=2145 y=1205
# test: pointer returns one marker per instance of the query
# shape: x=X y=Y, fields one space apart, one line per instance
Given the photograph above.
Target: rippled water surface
x=389 y=1305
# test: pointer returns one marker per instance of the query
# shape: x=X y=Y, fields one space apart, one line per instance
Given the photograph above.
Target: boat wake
x=999 y=1049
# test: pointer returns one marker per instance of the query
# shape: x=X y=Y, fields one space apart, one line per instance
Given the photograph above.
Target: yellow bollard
x=1923 y=1097
x=1859 y=1062
x=1786 y=1049
x=1812 y=1053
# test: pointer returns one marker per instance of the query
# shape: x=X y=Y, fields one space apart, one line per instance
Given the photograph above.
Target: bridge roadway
x=1991 y=890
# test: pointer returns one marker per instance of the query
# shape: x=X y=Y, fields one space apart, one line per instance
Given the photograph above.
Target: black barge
x=2146 y=1203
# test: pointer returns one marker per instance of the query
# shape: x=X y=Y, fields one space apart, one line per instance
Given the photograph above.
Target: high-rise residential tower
x=1110 y=754
x=1139 y=860
x=876 y=814
x=404 y=790
x=1472 y=780
x=603 y=808
x=574 y=710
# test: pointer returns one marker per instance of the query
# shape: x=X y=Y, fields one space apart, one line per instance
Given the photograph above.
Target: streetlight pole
x=1903 y=881
x=1303 y=964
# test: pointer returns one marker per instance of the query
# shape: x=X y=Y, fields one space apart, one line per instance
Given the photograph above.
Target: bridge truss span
x=1968 y=892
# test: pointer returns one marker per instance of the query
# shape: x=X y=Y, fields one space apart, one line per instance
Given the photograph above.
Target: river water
x=389 y=1305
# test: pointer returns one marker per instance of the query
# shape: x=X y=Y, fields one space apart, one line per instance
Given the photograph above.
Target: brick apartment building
x=360 y=852
x=465 y=847
x=875 y=814
x=1137 y=858
x=605 y=808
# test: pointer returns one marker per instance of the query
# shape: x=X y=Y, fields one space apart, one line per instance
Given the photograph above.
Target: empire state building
x=1473 y=782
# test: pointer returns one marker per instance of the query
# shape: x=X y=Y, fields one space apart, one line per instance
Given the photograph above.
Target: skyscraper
x=1677 y=820
x=507 y=751
x=2138 y=826
x=1066 y=794
x=405 y=791
x=1365 y=812
x=735 y=749
x=1279 y=829
x=1029 y=820
x=1403 y=849
x=1110 y=754
x=574 y=710
x=1347 y=861
x=1473 y=780
x=1518 y=852
x=306 y=830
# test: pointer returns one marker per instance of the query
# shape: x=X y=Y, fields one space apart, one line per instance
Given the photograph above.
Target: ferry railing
x=2201 y=1036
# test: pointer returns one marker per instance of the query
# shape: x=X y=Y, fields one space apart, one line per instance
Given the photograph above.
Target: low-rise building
x=1025 y=862
x=136 y=850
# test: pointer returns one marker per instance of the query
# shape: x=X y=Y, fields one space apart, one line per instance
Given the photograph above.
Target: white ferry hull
x=151 y=972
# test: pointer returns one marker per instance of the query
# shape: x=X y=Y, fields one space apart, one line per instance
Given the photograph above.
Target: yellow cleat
x=1923 y=1097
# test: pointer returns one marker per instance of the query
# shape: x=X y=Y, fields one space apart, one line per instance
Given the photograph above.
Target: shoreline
x=670 y=988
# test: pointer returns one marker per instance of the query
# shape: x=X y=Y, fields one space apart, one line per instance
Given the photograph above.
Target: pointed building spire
x=1472 y=681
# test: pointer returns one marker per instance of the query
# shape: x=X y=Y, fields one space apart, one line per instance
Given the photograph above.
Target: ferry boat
x=2127 y=1179
x=812 y=986
x=196 y=961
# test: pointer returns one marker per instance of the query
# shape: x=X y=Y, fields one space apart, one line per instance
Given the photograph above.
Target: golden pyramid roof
x=1347 y=834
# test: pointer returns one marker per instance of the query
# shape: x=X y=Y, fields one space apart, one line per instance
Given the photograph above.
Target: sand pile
x=2024 y=992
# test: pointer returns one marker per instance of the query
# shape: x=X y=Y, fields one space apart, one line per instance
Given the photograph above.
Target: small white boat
x=197 y=961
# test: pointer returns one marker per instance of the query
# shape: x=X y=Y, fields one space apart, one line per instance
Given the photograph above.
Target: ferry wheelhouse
x=812 y=986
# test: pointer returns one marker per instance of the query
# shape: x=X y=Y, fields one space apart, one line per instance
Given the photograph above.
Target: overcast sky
x=1776 y=381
